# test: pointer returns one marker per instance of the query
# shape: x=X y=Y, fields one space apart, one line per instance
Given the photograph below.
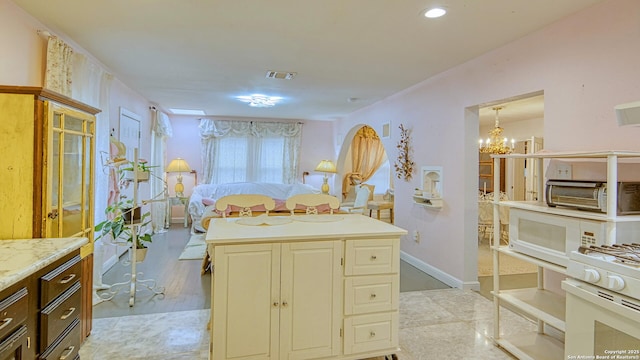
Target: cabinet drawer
x=56 y=317
x=366 y=294
x=371 y=332
x=67 y=346
x=13 y=312
x=366 y=257
x=14 y=346
x=58 y=280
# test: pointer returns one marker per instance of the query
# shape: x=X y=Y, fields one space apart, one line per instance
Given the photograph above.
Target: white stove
x=612 y=267
x=603 y=302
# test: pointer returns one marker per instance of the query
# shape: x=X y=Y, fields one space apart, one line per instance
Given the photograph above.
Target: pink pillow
x=208 y=201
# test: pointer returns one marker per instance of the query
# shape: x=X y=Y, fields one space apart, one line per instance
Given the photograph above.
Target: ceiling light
x=187 y=112
x=259 y=100
x=496 y=144
x=435 y=13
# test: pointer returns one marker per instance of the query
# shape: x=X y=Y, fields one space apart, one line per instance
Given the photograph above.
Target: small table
x=381 y=205
x=178 y=200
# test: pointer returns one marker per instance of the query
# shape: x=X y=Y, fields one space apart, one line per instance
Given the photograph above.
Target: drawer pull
x=67 y=278
x=373 y=257
x=67 y=353
x=285 y=304
x=373 y=296
x=5 y=322
x=372 y=334
x=68 y=313
x=275 y=304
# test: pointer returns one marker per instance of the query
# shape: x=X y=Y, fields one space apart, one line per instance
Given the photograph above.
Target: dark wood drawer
x=13 y=312
x=59 y=280
x=67 y=346
x=56 y=317
x=15 y=345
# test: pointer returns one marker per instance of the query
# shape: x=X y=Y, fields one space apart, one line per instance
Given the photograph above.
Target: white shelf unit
x=546 y=306
x=435 y=203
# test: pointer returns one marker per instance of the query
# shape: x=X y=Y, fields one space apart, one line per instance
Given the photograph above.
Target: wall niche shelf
x=428 y=202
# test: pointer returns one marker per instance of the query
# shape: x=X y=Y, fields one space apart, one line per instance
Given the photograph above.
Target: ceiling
x=201 y=54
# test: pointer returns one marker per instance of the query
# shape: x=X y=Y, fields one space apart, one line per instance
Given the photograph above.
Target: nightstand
x=178 y=200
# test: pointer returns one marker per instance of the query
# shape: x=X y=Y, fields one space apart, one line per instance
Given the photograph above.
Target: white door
x=246 y=302
x=311 y=300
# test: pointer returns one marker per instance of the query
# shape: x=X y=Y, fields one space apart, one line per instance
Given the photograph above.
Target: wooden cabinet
x=40 y=313
x=277 y=301
x=14 y=314
x=47 y=181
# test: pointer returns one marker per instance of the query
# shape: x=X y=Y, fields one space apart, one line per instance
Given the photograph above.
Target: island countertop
x=298 y=228
x=23 y=257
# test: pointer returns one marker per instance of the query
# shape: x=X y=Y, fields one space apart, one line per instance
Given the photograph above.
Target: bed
x=205 y=195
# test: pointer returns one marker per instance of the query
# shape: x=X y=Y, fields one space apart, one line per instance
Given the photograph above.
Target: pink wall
x=22 y=48
x=585 y=64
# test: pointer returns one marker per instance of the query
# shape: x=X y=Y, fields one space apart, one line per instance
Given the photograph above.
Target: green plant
x=118 y=227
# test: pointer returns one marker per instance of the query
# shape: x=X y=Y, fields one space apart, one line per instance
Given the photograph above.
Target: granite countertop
x=23 y=257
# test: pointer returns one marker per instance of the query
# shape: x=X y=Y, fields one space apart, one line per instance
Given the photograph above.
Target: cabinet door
x=311 y=298
x=246 y=302
x=69 y=148
x=17 y=127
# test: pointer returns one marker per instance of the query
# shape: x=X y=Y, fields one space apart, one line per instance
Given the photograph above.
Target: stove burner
x=628 y=254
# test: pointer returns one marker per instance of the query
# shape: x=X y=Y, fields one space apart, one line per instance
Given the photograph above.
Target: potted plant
x=118 y=226
x=143 y=171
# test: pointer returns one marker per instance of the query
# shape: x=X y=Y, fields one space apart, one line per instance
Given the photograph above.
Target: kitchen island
x=40 y=298
x=304 y=287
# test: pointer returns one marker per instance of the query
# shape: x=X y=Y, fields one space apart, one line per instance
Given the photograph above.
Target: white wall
x=585 y=64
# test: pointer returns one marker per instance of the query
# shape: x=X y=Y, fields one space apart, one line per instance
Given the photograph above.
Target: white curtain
x=161 y=130
x=257 y=140
x=59 y=65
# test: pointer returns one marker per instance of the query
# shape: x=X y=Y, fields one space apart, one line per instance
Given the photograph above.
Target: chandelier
x=495 y=143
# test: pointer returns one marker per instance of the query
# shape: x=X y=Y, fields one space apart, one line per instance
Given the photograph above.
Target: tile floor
x=434 y=324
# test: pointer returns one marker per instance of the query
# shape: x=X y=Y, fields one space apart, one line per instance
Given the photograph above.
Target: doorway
x=522 y=119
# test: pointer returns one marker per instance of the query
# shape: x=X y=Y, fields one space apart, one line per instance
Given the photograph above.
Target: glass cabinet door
x=70 y=174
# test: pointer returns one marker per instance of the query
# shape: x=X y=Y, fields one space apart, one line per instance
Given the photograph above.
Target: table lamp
x=178 y=165
x=326 y=166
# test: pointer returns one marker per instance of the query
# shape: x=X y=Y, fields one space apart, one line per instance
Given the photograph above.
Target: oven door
x=600 y=323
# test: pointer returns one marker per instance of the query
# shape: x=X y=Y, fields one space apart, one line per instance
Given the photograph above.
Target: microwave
x=552 y=237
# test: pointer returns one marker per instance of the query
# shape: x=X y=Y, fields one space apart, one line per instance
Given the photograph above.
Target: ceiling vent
x=282 y=75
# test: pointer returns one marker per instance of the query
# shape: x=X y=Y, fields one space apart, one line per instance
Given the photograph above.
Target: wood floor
x=185 y=288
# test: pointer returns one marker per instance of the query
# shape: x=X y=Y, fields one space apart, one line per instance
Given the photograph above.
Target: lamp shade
x=178 y=165
x=326 y=166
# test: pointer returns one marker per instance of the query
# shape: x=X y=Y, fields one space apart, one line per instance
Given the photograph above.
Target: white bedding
x=211 y=192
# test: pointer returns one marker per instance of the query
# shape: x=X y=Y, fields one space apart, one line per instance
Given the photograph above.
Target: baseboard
x=439 y=274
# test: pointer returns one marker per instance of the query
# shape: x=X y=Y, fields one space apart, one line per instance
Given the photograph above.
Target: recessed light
x=187 y=112
x=435 y=13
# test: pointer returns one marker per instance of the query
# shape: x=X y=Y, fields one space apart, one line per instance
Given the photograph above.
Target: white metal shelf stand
x=543 y=305
x=134 y=277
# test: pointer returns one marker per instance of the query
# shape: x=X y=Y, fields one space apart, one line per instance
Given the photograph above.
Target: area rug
x=195 y=248
x=508 y=264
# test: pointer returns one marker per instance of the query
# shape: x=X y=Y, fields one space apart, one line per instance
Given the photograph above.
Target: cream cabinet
x=312 y=288
x=48 y=172
x=372 y=288
x=277 y=301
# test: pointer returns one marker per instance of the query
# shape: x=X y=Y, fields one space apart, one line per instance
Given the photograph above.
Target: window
x=237 y=151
